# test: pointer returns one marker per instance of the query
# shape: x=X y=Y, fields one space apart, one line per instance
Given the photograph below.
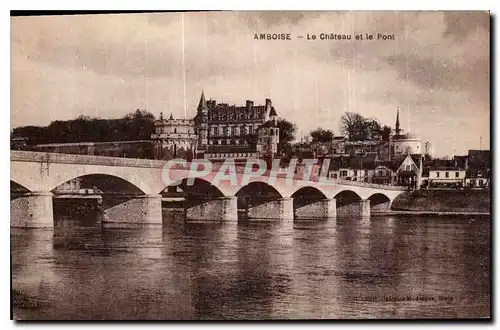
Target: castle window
x=175 y=130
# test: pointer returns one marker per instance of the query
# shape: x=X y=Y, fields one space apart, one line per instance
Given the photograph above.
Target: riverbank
x=431 y=213
x=442 y=202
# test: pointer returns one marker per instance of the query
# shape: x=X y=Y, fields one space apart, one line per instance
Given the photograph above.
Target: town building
x=409 y=172
x=478 y=170
x=358 y=168
x=383 y=175
x=446 y=177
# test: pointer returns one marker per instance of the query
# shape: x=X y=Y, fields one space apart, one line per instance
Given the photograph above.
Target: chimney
x=269 y=103
x=249 y=104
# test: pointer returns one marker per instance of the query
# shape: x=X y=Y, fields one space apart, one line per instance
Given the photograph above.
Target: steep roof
x=273 y=112
x=203 y=102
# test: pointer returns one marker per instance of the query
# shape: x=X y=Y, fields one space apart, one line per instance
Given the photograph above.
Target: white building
x=404 y=144
x=446 y=177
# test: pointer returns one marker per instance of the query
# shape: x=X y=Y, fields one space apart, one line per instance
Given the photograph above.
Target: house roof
x=272 y=112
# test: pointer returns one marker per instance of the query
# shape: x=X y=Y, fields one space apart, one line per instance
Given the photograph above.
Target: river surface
x=383 y=267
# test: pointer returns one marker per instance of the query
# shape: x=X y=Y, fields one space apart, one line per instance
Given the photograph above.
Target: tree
x=373 y=129
x=138 y=125
x=287 y=132
x=352 y=125
x=358 y=128
x=386 y=133
x=322 y=135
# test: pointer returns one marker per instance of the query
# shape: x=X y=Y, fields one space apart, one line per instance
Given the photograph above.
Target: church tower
x=398 y=129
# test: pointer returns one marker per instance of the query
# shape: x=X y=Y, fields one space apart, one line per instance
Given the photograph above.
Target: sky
x=436 y=70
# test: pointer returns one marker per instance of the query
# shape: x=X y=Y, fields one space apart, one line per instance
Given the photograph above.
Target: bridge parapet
x=48 y=157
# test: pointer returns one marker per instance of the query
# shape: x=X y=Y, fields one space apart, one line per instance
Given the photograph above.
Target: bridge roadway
x=142 y=182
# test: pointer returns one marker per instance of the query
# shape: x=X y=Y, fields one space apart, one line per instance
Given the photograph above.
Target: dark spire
x=161 y=115
x=398 y=130
x=171 y=117
x=203 y=104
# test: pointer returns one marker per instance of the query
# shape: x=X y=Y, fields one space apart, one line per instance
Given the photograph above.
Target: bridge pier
x=32 y=210
x=359 y=208
x=277 y=209
x=220 y=208
x=143 y=209
x=321 y=209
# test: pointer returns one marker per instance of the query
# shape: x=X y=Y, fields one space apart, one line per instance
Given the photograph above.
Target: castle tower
x=268 y=137
x=202 y=121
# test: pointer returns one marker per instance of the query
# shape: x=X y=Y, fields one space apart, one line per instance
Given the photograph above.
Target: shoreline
x=432 y=213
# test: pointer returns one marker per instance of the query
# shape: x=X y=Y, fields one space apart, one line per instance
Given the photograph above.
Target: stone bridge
x=132 y=190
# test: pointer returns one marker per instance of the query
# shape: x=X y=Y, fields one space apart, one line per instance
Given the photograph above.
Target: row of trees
x=356 y=128
x=138 y=125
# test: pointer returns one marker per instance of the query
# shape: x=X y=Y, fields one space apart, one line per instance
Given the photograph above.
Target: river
x=383 y=267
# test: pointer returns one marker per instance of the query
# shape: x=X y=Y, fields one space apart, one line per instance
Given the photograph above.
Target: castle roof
x=203 y=102
x=272 y=112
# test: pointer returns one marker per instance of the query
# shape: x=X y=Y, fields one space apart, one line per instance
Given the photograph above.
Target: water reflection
x=344 y=268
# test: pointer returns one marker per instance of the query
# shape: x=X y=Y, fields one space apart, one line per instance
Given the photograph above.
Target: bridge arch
x=18 y=179
x=376 y=197
x=380 y=202
x=199 y=186
x=145 y=183
x=106 y=183
x=310 y=190
x=347 y=196
x=18 y=188
x=258 y=189
x=305 y=197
